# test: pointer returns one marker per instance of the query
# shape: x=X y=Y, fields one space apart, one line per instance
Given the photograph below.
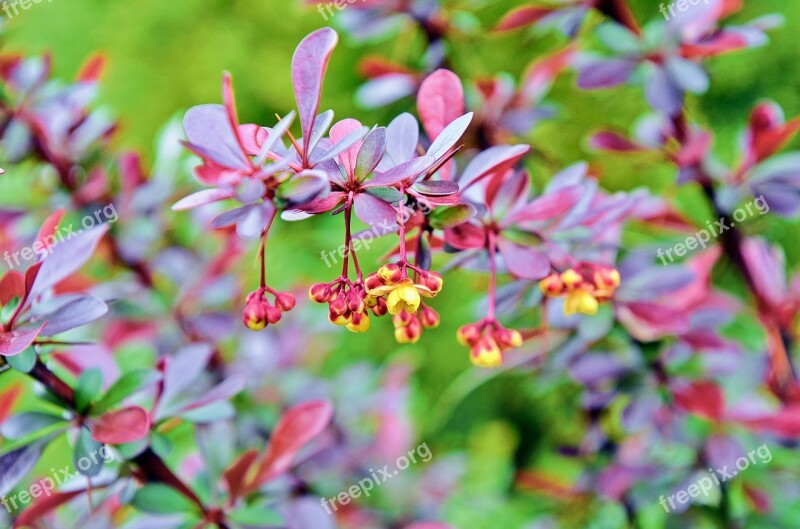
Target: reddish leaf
x=523 y=16
x=11 y=286
x=785 y=422
x=47 y=233
x=43 y=505
x=309 y=63
x=296 y=428
x=611 y=141
x=121 y=426
x=440 y=100
x=703 y=398
x=236 y=473
x=93 y=69
x=14 y=342
x=8 y=398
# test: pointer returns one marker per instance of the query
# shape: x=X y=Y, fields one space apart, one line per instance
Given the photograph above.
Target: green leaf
x=90 y=382
x=450 y=216
x=87 y=457
x=387 y=194
x=256 y=516
x=24 y=361
x=161 y=499
x=23 y=424
x=127 y=385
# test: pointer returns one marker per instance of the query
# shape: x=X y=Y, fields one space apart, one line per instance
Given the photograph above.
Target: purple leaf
x=66 y=258
x=402 y=138
x=370 y=154
x=304 y=187
x=661 y=93
x=436 y=187
x=404 y=171
x=374 y=211
x=309 y=63
x=17 y=464
x=206 y=196
x=74 y=313
x=492 y=160
x=223 y=391
x=522 y=261
x=449 y=136
x=604 y=73
x=14 y=342
x=208 y=128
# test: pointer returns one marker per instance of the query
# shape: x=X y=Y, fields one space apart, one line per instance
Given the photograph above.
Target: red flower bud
x=507 y=338
x=432 y=281
x=373 y=281
x=338 y=306
x=380 y=307
x=254 y=315
x=273 y=314
x=428 y=317
x=391 y=273
x=320 y=292
x=355 y=302
x=285 y=301
x=552 y=285
x=469 y=334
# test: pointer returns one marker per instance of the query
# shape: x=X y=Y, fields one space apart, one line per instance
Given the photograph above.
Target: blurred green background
x=165 y=56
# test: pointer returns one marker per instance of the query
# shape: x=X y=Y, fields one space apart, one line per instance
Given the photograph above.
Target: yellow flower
x=580 y=301
x=403 y=296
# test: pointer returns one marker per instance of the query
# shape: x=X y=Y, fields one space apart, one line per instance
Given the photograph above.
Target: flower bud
x=355 y=302
x=428 y=317
x=254 y=315
x=390 y=273
x=338 y=306
x=320 y=292
x=580 y=301
x=486 y=353
x=552 y=285
x=410 y=333
x=380 y=307
x=285 y=301
x=402 y=319
x=273 y=314
x=359 y=322
x=469 y=334
x=373 y=281
x=339 y=319
x=507 y=338
x=571 y=278
x=432 y=281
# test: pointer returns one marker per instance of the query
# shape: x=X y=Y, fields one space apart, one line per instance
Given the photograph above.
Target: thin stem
x=492 y=247
x=348 y=215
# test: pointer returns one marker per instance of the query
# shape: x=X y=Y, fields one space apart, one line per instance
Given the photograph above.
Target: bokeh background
x=166 y=56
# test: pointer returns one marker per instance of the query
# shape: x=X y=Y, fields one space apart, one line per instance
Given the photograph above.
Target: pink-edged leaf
x=402 y=138
x=405 y=171
x=722 y=42
x=523 y=16
x=323 y=205
x=447 y=139
x=209 y=131
x=121 y=426
x=440 y=100
x=14 y=342
x=785 y=422
x=339 y=132
x=222 y=391
x=74 y=313
x=370 y=153
x=47 y=233
x=703 y=398
x=493 y=160
x=11 y=286
x=309 y=63
x=522 y=261
x=466 y=236
x=201 y=198
x=235 y=475
x=304 y=187
x=436 y=187
x=66 y=258
x=297 y=427
x=540 y=75
x=607 y=140
x=547 y=206
x=42 y=506
x=374 y=211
